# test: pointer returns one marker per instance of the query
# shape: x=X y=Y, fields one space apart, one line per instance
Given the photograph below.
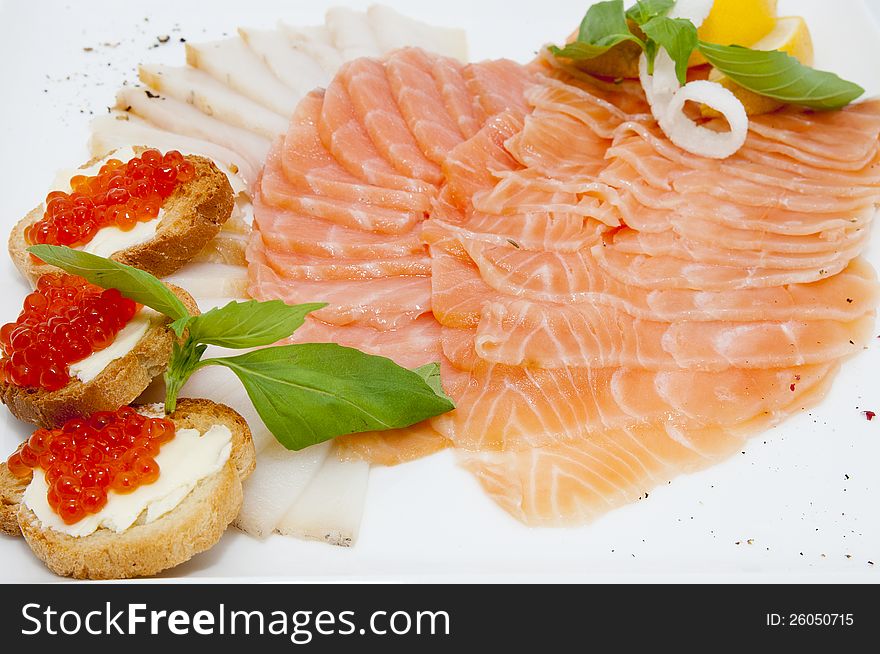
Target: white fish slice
x=315 y=33
x=211 y=280
x=317 y=43
x=352 y=34
x=232 y=63
x=182 y=118
x=122 y=129
x=297 y=69
x=393 y=30
x=279 y=480
x=225 y=248
x=213 y=98
x=331 y=507
x=331 y=504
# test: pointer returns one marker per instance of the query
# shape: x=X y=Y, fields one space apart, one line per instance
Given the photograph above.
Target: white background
x=800 y=503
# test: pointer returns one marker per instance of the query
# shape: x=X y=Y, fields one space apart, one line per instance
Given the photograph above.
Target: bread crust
x=193 y=526
x=11 y=491
x=120 y=383
x=194 y=214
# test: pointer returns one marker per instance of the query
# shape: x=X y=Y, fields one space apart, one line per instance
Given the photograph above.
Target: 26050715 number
x=810 y=620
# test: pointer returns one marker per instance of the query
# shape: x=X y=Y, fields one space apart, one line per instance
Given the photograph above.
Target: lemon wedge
x=738 y=22
x=790 y=35
x=735 y=22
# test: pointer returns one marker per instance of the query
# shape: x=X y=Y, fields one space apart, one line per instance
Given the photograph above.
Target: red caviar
x=121 y=194
x=90 y=457
x=64 y=320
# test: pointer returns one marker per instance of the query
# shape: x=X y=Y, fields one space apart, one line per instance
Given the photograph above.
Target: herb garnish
x=774 y=74
x=305 y=394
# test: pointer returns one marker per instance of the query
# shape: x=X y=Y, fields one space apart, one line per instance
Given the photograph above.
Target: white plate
x=799 y=504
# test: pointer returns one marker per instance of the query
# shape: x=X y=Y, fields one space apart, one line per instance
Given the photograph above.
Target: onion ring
x=697 y=139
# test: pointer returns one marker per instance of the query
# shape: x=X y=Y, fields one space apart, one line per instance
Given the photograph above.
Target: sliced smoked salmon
x=608 y=310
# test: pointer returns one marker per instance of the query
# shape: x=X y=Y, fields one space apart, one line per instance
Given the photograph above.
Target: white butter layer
x=125 y=341
x=111 y=239
x=183 y=462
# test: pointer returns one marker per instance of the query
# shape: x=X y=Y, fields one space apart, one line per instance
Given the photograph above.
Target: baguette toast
x=193 y=526
x=120 y=383
x=193 y=215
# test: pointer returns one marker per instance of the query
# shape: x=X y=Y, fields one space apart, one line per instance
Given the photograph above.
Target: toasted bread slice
x=194 y=214
x=193 y=526
x=120 y=383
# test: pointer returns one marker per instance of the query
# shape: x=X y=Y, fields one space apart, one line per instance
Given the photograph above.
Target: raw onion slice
x=695 y=138
x=662 y=85
x=667 y=99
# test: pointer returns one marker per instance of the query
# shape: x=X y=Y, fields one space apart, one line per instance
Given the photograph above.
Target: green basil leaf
x=675 y=35
x=240 y=325
x=431 y=374
x=644 y=10
x=780 y=76
x=603 y=27
x=311 y=393
x=133 y=283
x=179 y=326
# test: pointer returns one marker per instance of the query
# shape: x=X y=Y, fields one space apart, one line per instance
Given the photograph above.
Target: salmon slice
x=344 y=136
x=311 y=169
x=847 y=138
x=470 y=167
x=409 y=73
x=287 y=231
x=587 y=112
x=450 y=82
x=706 y=232
x=412 y=345
x=278 y=192
x=659 y=272
x=374 y=105
x=499 y=86
x=295 y=266
x=574 y=482
x=495 y=269
x=669 y=244
x=754 y=194
x=502 y=407
x=529 y=231
x=557 y=143
x=726 y=191
x=648 y=209
x=649 y=152
x=526 y=333
x=774 y=146
x=626 y=95
x=385 y=303
x=528 y=190
x=392 y=447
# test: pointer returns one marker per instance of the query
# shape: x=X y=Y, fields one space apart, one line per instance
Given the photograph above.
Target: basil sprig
x=602 y=28
x=780 y=76
x=305 y=394
x=771 y=73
